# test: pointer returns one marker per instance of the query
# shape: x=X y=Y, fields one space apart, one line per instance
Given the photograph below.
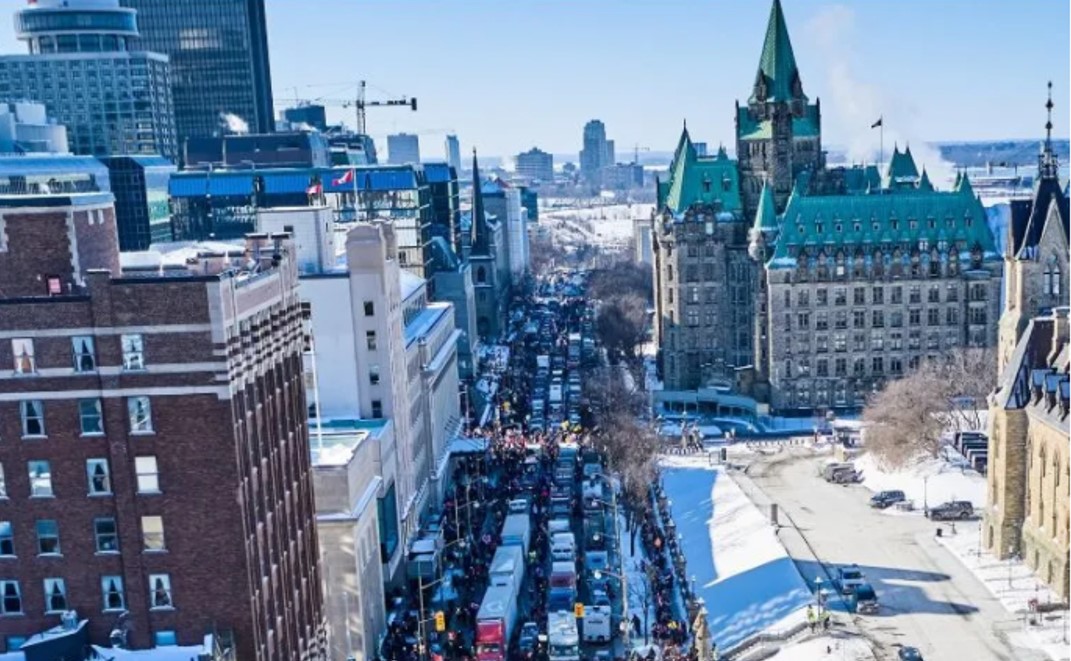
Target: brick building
x=155 y=465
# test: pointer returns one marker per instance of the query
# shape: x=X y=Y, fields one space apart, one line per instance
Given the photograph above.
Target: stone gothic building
x=783 y=283
x=1027 y=509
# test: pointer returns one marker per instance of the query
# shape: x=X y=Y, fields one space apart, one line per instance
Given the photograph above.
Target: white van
x=596 y=624
x=563 y=546
x=559 y=525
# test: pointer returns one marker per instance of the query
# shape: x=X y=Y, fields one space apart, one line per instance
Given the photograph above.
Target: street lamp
x=620 y=557
x=423 y=646
x=821 y=595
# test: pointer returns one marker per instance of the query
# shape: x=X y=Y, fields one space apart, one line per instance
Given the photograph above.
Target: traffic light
x=440 y=621
x=578 y=610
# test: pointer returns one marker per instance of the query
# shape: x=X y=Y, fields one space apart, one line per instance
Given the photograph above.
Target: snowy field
x=931 y=481
x=831 y=647
x=1014 y=585
x=608 y=226
x=745 y=577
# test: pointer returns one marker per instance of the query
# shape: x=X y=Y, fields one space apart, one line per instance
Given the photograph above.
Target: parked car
x=845 y=476
x=955 y=509
x=848 y=578
x=910 y=654
x=884 y=499
x=866 y=600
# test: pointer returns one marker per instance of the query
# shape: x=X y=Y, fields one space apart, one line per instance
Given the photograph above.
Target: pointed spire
x=479 y=222
x=684 y=153
x=924 y=182
x=1048 y=167
x=778 y=77
x=964 y=186
x=766 y=216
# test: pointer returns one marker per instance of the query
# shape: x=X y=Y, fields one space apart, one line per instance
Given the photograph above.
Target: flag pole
x=881 y=142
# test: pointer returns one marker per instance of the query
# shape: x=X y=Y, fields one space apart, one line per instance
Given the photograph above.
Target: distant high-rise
x=306 y=117
x=85 y=65
x=219 y=62
x=403 y=148
x=537 y=165
x=453 y=152
x=597 y=152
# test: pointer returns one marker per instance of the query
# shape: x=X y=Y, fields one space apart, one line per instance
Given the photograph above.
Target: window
x=133 y=352
x=10 y=598
x=821 y=321
x=55 y=595
x=373 y=375
x=877 y=319
x=40 y=478
x=858 y=319
x=377 y=408
x=840 y=319
x=859 y=296
x=165 y=639
x=370 y=340
x=896 y=341
x=877 y=365
x=878 y=295
x=111 y=588
x=152 y=533
x=387 y=508
x=369 y=309
x=914 y=294
x=877 y=341
x=803 y=320
x=952 y=316
x=3 y=483
x=840 y=296
x=914 y=339
x=22 y=351
x=859 y=342
x=159 y=591
x=976 y=316
x=91 y=417
x=804 y=298
x=48 y=537
x=821 y=344
x=822 y=367
x=858 y=366
x=788 y=298
x=840 y=342
x=840 y=367
x=914 y=317
x=84 y=358
x=934 y=294
x=147 y=474
x=100 y=481
x=821 y=297
x=7 y=539
x=951 y=293
x=33 y=417
x=106 y=535
x=897 y=295
x=140 y=412
x=933 y=317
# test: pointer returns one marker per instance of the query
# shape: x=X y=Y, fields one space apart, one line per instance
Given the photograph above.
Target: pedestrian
x=811 y=620
x=826 y=617
x=635 y=622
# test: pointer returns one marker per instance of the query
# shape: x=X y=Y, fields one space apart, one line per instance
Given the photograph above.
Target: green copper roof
x=902 y=169
x=892 y=219
x=777 y=65
x=802 y=127
x=963 y=186
x=699 y=180
x=766 y=216
x=861 y=178
x=924 y=182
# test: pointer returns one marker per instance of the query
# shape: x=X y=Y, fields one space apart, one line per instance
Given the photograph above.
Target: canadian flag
x=347 y=178
x=315 y=189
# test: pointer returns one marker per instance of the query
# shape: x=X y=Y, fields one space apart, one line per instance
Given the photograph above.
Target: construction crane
x=636 y=152
x=359 y=103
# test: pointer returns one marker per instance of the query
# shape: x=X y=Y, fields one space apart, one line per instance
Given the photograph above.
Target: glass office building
x=219 y=61
x=142 y=211
x=82 y=65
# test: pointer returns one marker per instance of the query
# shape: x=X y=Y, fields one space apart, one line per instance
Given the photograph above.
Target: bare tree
x=622 y=325
x=907 y=418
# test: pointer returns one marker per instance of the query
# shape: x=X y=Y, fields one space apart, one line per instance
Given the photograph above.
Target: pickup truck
x=848 y=578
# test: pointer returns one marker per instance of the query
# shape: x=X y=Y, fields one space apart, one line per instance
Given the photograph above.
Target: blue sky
x=510 y=74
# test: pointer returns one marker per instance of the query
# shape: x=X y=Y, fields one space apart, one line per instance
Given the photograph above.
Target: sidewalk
x=1014 y=585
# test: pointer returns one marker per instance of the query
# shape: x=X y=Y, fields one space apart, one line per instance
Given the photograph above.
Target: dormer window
x=706 y=185
x=896 y=225
x=857 y=227
x=818 y=228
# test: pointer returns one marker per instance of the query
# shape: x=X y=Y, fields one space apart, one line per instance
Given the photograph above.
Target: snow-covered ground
x=744 y=575
x=831 y=647
x=608 y=226
x=1014 y=585
x=928 y=482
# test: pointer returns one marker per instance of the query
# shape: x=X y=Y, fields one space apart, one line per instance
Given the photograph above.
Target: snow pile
x=930 y=481
x=840 y=648
x=608 y=225
x=745 y=577
x=1014 y=585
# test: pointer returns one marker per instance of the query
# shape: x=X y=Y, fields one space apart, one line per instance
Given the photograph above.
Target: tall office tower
x=453 y=153
x=83 y=64
x=219 y=62
x=403 y=148
x=596 y=153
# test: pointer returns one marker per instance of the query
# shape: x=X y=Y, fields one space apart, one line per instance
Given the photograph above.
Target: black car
x=910 y=654
x=884 y=499
x=952 y=510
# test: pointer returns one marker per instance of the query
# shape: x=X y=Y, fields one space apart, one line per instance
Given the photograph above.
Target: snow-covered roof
x=334 y=442
x=410 y=283
x=175 y=653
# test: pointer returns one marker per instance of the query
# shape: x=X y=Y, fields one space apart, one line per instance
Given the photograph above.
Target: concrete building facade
x=403 y=149
x=26 y=128
x=536 y=165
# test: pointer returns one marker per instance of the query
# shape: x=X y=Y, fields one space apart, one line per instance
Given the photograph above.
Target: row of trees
x=905 y=420
x=623 y=290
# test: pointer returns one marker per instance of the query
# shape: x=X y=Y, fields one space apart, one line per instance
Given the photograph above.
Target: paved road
x=928 y=599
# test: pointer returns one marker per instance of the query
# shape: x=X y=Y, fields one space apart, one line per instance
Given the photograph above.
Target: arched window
x=1052 y=277
x=481 y=275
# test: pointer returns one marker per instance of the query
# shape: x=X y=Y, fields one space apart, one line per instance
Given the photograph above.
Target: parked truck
x=507 y=566
x=596 y=624
x=562 y=593
x=495 y=621
x=563 y=643
x=517 y=531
